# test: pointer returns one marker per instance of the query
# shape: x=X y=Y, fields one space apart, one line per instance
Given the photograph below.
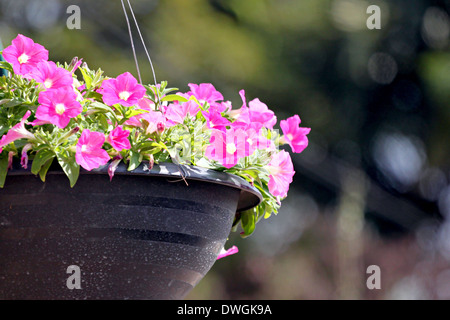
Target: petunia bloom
x=17 y=132
x=256 y=140
x=124 y=90
x=225 y=253
x=255 y=111
x=118 y=139
x=228 y=147
x=89 y=152
x=74 y=65
x=214 y=120
x=242 y=115
x=113 y=166
x=24 y=158
x=294 y=135
x=24 y=54
x=150 y=121
x=51 y=76
x=259 y=112
x=146 y=104
x=58 y=106
x=176 y=113
x=205 y=92
x=281 y=171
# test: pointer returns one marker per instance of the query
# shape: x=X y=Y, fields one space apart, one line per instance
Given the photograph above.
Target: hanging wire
x=141 y=37
x=132 y=42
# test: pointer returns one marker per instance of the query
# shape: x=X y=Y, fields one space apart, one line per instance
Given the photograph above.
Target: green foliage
x=181 y=143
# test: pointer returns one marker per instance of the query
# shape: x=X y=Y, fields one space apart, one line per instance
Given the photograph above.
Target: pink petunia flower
x=205 y=92
x=214 y=120
x=256 y=111
x=124 y=90
x=24 y=158
x=17 y=132
x=228 y=147
x=146 y=104
x=11 y=155
x=175 y=112
x=151 y=121
x=89 y=152
x=51 y=76
x=256 y=140
x=24 y=54
x=113 y=166
x=225 y=253
x=75 y=64
x=294 y=135
x=224 y=106
x=259 y=112
x=281 y=171
x=242 y=115
x=118 y=139
x=58 y=106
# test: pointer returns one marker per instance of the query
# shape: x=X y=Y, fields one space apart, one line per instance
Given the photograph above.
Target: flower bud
x=160 y=127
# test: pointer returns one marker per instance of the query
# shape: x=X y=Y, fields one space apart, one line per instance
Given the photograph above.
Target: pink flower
x=225 y=253
x=256 y=111
x=82 y=88
x=228 y=147
x=242 y=115
x=151 y=121
x=75 y=64
x=259 y=112
x=58 y=106
x=294 y=135
x=51 y=76
x=24 y=54
x=281 y=171
x=205 y=92
x=11 y=155
x=175 y=112
x=118 y=139
x=17 y=132
x=256 y=140
x=24 y=158
x=89 y=152
x=146 y=104
x=124 y=90
x=214 y=120
x=113 y=166
x=221 y=107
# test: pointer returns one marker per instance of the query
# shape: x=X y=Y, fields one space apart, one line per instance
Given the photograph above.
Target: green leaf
x=7 y=66
x=10 y=103
x=101 y=106
x=40 y=159
x=135 y=160
x=3 y=168
x=44 y=169
x=174 y=97
x=70 y=168
x=87 y=78
x=248 y=222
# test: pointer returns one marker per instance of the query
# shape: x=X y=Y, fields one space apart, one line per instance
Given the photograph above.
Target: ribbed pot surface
x=137 y=237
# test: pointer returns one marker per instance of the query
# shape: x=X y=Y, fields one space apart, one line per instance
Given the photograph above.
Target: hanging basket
x=147 y=234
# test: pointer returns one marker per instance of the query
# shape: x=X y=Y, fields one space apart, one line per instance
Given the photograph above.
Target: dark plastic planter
x=145 y=235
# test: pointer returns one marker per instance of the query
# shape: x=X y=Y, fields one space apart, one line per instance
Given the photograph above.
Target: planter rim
x=249 y=197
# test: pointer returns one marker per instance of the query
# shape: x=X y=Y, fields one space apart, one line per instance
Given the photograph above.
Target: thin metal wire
x=143 y=43
x=132 y=42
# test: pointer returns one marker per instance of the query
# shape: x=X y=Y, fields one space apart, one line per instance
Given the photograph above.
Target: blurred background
x=372 y=188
